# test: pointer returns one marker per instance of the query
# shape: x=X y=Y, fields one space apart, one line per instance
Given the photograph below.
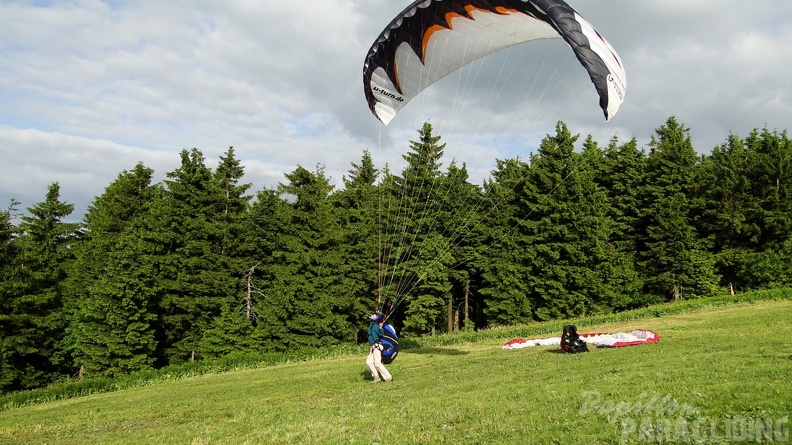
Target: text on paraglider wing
x=617 y=88
x=388 y=94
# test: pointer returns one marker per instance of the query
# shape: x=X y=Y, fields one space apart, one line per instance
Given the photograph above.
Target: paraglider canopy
x=600 y=340
x=432 y=38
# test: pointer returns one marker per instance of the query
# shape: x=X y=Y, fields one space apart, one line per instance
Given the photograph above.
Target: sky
x=89 y=88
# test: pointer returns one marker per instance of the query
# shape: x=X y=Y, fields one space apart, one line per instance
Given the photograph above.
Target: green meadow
x=718 y=375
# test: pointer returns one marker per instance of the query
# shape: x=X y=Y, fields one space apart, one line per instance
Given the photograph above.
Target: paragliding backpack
x=390 y=344
x=571 y=342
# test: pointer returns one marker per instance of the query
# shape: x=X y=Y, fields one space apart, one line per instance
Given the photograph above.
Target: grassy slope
x=716 y=363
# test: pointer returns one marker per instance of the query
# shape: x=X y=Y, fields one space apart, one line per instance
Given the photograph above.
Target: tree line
x=197 y=267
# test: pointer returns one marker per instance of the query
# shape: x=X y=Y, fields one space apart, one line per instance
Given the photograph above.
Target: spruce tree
x=459 y=223
x=114 y=324
x=427 y=299
x=768 y=210
x=504 y=274
x=8 y=258
x=675 y=262
x=196 y=276
x=308 y=302
x=265 y=223
x=233 y=204
x=232 y=331
x=418 y=194
x=771 y=184
x=391 y=233
x=36 y=319
x=622 y=176
x=357 y=209
x=572 y=270
x=724 y=208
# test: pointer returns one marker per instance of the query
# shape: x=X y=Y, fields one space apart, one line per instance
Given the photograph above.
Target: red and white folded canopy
x=616 y=340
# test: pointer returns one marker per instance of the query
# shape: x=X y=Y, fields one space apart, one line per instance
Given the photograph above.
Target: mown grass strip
x=72 y=388
x=724 y=366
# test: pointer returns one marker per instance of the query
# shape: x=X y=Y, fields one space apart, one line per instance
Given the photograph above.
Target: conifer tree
x=114 y=323
x=622 y=177
x=308 y=302
x=196 y=277
x=391 y=226
x=418 y=194
x=767 y=211
x=459 y=224
x=36 y=318
x=724 y=208
x=265 y=223
x=571 y=265
x=426 y=301
x=232 y=331
x=357 y=208
x=233 y=203
x=676 y=264
x=505 y=287
x=771 y=183
x=8 y=258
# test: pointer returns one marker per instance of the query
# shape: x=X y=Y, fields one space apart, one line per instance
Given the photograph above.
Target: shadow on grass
x=554 y=351
x=432 y=350
x=366 y=376
x=559 y=351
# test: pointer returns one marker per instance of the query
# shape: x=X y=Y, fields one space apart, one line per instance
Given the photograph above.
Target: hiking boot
x=376 y=380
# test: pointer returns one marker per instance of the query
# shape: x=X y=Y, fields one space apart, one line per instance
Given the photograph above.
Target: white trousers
x=374 y=362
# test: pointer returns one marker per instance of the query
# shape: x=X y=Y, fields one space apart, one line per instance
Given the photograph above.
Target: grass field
x=720 y=375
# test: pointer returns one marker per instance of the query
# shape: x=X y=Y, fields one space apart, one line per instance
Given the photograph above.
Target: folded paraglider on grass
x=600 y=340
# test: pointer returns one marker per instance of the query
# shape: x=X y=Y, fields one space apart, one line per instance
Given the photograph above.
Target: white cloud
x=33 y=159
x=90 y=88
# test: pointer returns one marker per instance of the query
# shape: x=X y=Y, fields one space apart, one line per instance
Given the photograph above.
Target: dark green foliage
x=8 y=259
x=432 y=287
x=357 y=210
x=770 y=173
x=114 y=322
x=722 y=205
x=418 y=235
x=622 y=175
x=193 y=268
x=769 y=269
x=73 y=389
x=674 y=260
x=505 y=277
x=34 y=299
x=460 y=226
x=571 y=268
x=231 y=333
x=308 y=299
x=191 y=231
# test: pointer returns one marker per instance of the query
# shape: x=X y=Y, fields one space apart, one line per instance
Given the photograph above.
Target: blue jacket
x=375 y=333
